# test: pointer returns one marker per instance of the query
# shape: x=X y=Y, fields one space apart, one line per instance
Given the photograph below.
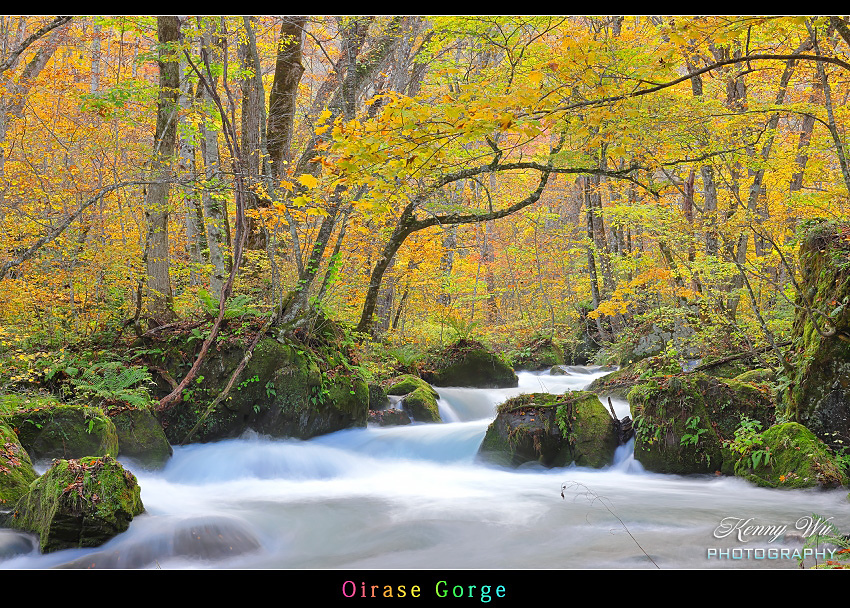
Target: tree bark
x=212 y=195
x=253 y=120
x=160 y=309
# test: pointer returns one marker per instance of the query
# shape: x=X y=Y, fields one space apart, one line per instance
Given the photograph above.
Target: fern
x=238 y=306
x=111 y=382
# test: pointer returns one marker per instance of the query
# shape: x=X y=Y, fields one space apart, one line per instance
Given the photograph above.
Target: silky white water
x=416 y=497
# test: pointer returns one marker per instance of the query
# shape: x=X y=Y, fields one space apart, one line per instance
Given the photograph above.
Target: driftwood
x=745 y=355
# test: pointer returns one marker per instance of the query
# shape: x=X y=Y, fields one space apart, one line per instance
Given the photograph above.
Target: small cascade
x=416 y=497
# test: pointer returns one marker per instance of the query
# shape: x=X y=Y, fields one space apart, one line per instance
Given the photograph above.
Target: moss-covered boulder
x=378 y=399
x=65 y=431
x=682 y=422
x=140 y=437
x=621 y=381
x=286 y=390
x=655 y=336
x=468 y=363
x=79 y=503
x=580 y=349
x=419 y=399
x=797 y=459
x=819 y=394
x=16 y=471
x=553 y=430
x=539 y=353
x=757 y=376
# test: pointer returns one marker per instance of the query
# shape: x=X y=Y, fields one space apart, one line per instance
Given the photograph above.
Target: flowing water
x=415 y=497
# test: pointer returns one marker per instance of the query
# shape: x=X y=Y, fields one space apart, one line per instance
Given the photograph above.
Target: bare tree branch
x=13 y=56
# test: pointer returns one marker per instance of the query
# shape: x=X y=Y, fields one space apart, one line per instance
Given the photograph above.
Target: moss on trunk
x=819 y=394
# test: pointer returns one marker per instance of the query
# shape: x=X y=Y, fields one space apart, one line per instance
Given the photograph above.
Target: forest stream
x=415 y=497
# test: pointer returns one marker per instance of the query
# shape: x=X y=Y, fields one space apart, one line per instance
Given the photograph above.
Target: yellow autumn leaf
x=307 y=180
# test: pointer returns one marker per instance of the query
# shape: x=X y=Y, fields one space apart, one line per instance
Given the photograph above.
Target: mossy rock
x=580 y=350
x=819 y=392
x=757 y=376
x=798 y=459
x=422 y=406
x=419 y=398
x=16 y=470
x=65 y=431
x=553 y=430
x=540 y=353
x=407 y=383
x=620 y=382
x=682 y=422
x=285 y=390
x=79 y=503
x=140 y=437
x=468 y=363
x=378 y=399
x=390 y=417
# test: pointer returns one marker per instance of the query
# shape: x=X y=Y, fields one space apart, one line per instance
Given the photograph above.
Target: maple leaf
x=308 y=180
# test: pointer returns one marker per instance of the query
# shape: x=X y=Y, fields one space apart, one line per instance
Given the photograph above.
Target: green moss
x=79 y=503
x=554 y=430
x=594 y=430
x=468 y=363
x=540 y=353
x=378 y=399
x=798 y=459
x=288 y=389
x=65 y=431
x=819 y=391
x=682 y=422
x=16 y=471
x=756 y=376
x=140 y=437
x=422 y=405
x=403 y=385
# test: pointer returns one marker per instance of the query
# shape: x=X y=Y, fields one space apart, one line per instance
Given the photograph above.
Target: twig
x=749 y=353
x=595 y=497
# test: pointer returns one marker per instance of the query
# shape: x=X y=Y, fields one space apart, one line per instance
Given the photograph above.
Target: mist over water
x=415 y=496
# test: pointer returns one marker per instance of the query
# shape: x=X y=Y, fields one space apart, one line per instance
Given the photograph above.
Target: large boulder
x=79 y=503
x=654 y=338
x=683 y=422
x=419 y=399
x=16 y=470
x=819 y=393
x=468 y=363
x=140 y=437
x=792 y=457
x=539 y=353
x=553 y=430
x=65 y=431
x=285 y=390
x=621 y=381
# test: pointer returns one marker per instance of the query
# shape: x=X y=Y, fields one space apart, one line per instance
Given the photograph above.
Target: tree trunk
x=253 y=117
x=160 y=308
x=194 y=218
x=212 y=195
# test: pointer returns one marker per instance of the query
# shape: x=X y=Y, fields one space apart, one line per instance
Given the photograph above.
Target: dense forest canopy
x=416 y=178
